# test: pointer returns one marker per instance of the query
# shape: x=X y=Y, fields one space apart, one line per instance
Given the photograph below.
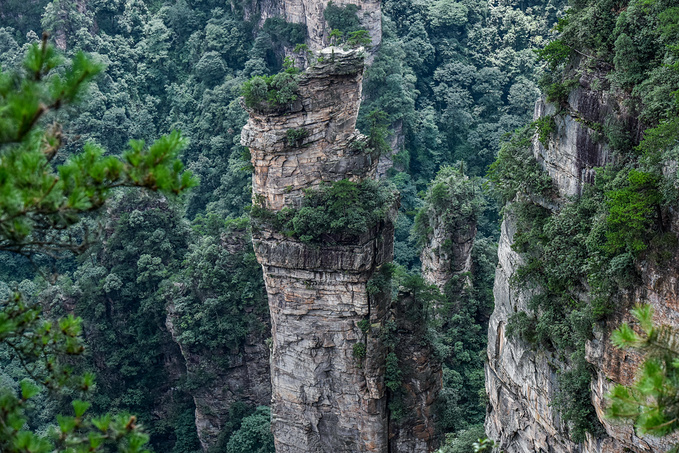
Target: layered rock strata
x=310 y=13
x=327 y=373
x=520 y=380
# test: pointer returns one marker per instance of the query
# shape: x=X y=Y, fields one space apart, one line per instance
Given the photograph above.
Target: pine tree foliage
x=652 y=402
x=40 y=202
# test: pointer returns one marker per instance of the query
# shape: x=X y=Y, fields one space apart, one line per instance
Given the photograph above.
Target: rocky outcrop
x=520 y=380
x=415 y=431
x=310 y=13
x=448 y=252
x=327 y=363
x=326 y=110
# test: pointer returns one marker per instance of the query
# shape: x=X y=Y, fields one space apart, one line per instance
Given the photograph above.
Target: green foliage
x=632 y=211
x=453 y=202
x=295 y=137
x=455 y=77
x=271 y=92
x=254 y=435
x=45 y=348
x=458 y=335
x=463 y=440
x=545 y=126
x=380 y=282
x=364 y=325
x=340 y=211
x=555 y=53
x=651 y=402
x=37 y=199
x=359 y=351
x=284 y=32
x=557 y=92
x=574 y=400
x=342 y=18
x=393 y=376
x=516 y=172
x=219 y=297
x=359 y=38
x=377 y=136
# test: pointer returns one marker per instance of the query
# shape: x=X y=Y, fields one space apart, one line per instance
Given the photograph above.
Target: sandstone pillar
x=325 y=396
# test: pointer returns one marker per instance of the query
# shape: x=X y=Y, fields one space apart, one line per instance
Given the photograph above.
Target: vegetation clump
x=272 y=92
x=335 y=212
x=295 y=137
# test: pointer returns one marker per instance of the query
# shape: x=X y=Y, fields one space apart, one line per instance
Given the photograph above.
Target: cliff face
x=520 y=380
x=310 y=13
x=325 y=397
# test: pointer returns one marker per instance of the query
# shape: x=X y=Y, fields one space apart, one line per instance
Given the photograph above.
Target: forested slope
x=172 y=295
x=589 y=231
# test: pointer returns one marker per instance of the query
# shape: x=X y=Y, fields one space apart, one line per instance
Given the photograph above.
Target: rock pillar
x=326 y=396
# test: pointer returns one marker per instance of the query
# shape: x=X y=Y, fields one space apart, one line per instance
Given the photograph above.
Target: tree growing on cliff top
x=41 y=205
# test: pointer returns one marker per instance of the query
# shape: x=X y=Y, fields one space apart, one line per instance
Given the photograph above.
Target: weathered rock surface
x=325 y=396
x=448 y=252
x=327 y=108
x=520 y=380
x=310 y=13
x=416 y=431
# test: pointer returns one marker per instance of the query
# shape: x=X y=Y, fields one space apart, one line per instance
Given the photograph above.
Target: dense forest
x=450 y=80
x=166 y=281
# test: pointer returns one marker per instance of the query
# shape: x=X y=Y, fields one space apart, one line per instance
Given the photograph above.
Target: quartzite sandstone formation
x=520 y=380
x=325 y=398
x=310 y=13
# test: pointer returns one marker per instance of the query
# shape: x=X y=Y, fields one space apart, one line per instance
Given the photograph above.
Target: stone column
x=325 y=396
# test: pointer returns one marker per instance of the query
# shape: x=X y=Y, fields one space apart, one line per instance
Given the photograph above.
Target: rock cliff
x=310 y=13
x=521 y=380
x=326 y=397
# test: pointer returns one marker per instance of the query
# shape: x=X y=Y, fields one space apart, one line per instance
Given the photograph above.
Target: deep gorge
x=417 y=224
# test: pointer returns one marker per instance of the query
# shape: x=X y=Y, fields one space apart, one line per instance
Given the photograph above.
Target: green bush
x=393 y=376
x=342 y=18
x=359 y=351
x=557 y=93
x=271 y=92
x=516 y=171
x=555 y=53
x=254 y=435
x=632 y=211
x=545 y=126
x=340 y=211
x=295 y=137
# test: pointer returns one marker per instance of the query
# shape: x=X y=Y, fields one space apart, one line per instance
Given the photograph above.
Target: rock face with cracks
x=520 y=380
x=310 y=13
x=327 y=373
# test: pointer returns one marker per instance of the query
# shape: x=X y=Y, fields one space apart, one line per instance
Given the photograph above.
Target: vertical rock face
x=325 y=396
x=416 y=431
x=520 y=380
x=310 y=13
x=447 y=252
x=326 y=108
